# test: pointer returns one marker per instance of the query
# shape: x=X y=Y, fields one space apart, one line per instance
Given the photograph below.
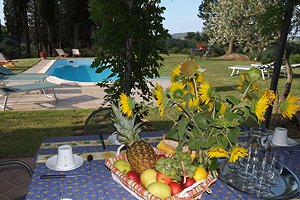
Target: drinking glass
x=230 y=171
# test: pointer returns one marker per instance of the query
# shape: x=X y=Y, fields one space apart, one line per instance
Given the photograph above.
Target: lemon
x=200 y=174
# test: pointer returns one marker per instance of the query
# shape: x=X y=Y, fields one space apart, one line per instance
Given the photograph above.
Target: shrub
x=294 y=58
x=186 y=51
x=9 y=47
x=175 y=50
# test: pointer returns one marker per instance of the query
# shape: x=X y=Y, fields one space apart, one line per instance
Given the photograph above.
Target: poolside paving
x=69 y=95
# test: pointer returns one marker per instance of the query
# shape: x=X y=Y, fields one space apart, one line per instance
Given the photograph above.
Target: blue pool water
x=78 y=70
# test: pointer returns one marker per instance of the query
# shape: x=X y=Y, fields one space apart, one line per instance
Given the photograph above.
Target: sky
x=180 y=15
x=1 y=12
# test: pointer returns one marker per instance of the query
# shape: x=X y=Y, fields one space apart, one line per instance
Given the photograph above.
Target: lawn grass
x=218 y=74
x=24 y=64
x=21 y=132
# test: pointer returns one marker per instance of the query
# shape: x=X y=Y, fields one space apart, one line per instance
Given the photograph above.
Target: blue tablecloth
x=100 y=185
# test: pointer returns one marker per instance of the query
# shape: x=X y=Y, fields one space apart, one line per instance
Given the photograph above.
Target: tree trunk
x=128 y=70
x=288 y=83
x=76 y=35
x=25 y=32
x=36 y=26
x=230 y=47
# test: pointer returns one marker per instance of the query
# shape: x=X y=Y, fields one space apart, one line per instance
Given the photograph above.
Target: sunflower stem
x=246 y=91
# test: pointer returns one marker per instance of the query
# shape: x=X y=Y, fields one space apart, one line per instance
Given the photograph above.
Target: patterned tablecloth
x=99 y=184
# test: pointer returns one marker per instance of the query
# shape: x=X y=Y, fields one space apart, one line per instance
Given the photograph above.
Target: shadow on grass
x=225 y=88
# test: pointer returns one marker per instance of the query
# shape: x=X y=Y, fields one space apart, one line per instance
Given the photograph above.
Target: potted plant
x=43 y=54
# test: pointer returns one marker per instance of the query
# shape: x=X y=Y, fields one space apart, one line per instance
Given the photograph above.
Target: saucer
x=51 y=163
x=291 y=142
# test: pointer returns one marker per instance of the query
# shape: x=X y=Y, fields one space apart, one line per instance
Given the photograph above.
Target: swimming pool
x=78 y=70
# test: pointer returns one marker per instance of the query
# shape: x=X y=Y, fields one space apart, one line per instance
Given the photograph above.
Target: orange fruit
x=200 y=174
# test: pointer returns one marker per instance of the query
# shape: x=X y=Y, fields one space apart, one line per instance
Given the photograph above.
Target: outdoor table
x=100 y=185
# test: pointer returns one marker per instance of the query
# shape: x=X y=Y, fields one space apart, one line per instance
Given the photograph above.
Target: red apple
x=188 y=183
x=175 y=188
x=133 y=175
x=160 y=156
x=161 y=177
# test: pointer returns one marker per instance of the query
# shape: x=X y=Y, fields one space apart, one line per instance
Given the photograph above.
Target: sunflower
x=177 y=89
x=289 y=106
x=254 y=87
x=199 y=77
x=217 y=152
x=193 y=103
x=205 y=92
x=236 y=153
x=127 y=104
x=241 y=82
x=159 y=95
x=270 y=95
x=175 y=73
x=223 y=108
x=189 y=68
x=262 y=105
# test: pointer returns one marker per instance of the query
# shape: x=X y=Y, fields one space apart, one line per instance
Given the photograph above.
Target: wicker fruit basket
x=137 y=190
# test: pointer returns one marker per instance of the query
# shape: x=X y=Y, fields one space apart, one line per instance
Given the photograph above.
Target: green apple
x=160 y=190
x=148 y=176
x=123 y=165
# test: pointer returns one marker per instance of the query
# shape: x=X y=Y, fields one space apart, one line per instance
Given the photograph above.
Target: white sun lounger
x=263 y=68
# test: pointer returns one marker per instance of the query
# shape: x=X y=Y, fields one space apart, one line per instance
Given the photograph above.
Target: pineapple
x=140 y=154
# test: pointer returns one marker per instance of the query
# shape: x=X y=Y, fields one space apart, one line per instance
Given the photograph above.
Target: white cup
x=280 y=137
x=65 y=157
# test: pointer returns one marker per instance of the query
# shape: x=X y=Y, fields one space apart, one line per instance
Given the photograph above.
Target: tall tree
x=13 y=22
x=47 y=13
x=129 y=34
x=236 y=22
x=21 y=11
x=77 y=12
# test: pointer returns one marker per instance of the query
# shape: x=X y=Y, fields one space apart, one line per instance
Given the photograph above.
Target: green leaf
x=230 y=116
x=201 y=120
x=222 y=141
x=233 y=135
x=233 y=100
x=214 y=165
x=182 y=128
x=172 y=134
x=208 y=143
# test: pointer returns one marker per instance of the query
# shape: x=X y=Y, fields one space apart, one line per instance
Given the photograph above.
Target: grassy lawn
x=21 y=132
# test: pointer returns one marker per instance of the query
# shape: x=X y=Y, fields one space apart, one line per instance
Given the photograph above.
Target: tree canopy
x=242 y=22
x=130 y=35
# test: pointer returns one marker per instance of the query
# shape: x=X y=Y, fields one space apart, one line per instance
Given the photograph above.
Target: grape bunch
x=172 y=166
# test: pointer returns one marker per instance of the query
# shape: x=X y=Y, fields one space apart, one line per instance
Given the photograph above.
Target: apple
x=123 y=166
x=160 y=156
x=133 y=175
x=148 y=176
x=161 y=177
x=188 y=182
x=175 y=188
x=160 y=190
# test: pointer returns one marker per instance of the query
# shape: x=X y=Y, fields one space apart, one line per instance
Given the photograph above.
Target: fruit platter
x=163 y=180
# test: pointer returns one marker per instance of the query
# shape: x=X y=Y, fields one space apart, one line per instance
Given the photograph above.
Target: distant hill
x=179 y=35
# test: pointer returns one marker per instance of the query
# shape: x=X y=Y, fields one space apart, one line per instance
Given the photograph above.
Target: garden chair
x=61 y=53
x=12 y=168
x=263 y=68
x=99 y=122
x=42 y=86
x=76 y=52
x=7 y=75
x=4 y=61
x=8 y=72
